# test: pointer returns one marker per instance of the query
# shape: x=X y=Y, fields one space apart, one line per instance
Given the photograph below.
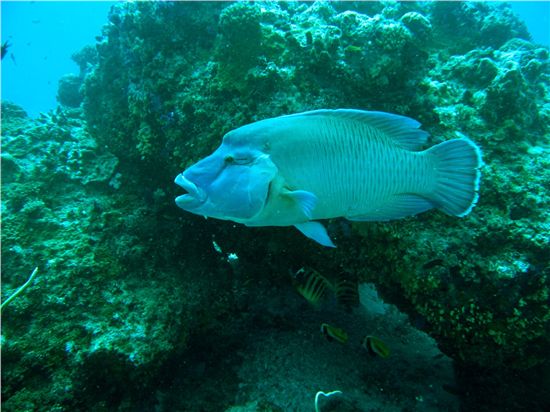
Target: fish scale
x=361 y=163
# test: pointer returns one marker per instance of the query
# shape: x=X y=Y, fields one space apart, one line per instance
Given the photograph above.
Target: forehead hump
x=252 y=135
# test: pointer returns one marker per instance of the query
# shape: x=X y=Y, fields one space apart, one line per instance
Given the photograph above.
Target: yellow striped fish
x=334 y=334
x=311 y=285
x=347 y=290
x=375 y=346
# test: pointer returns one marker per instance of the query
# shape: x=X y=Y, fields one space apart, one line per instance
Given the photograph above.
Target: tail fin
x=457 y=164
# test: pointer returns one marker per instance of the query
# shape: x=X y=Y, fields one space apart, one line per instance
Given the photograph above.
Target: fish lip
x=195 y=193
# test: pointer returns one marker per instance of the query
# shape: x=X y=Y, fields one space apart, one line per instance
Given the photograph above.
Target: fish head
x=230 y=184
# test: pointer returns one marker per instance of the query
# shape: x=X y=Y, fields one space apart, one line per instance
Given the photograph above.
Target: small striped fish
x=297 y=169
x=346 y=289
x=311 y=285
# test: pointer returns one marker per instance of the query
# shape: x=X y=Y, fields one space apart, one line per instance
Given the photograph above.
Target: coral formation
x=101 y=297
x=68 y=92
x=129 y=283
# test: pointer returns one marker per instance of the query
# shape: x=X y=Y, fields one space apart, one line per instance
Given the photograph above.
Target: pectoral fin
x=306 y=200
x=315 y=231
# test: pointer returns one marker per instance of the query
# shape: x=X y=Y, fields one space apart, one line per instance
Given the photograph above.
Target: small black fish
x=432 y=263
x=452 y=389
x=5 y=47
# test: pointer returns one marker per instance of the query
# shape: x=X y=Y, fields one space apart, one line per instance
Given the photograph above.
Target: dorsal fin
x=404 y=131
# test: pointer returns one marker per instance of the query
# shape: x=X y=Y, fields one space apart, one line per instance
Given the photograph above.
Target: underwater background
x=136 y=305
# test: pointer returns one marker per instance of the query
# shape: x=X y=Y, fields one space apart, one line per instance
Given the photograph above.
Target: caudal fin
x=457 y=166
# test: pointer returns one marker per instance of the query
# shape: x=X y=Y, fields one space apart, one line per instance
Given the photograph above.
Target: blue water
x=44 y=35
x=536 y=14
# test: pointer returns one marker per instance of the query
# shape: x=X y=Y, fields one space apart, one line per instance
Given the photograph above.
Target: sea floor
x=281 y=365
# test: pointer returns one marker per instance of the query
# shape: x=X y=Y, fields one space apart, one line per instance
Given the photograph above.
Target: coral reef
x=310 y=55
x=130 y=289
x=68 y=92
x=101 y=310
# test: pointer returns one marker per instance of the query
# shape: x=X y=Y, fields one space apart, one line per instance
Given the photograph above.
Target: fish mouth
x=195 y=196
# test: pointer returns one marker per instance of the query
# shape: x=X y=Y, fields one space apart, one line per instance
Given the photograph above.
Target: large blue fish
x=322 y=164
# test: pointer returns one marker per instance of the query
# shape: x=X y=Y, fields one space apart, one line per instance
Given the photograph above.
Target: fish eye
x=243 y=160
x=229 y=159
